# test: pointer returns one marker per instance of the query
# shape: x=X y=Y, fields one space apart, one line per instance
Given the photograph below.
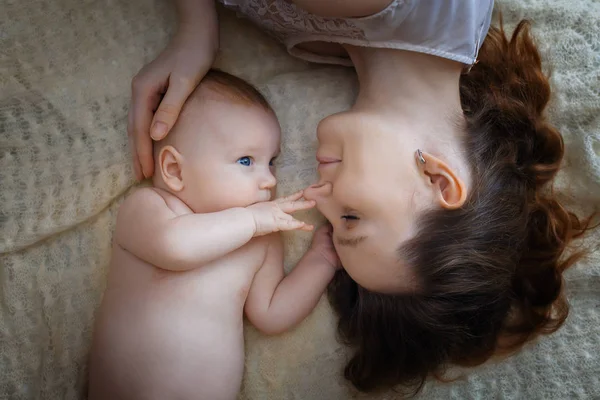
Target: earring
x=420 y=156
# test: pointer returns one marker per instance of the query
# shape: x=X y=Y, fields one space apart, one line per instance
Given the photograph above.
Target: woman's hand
x=160 y=88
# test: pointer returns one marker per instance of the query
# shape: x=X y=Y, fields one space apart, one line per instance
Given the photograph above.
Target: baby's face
x=228 y=155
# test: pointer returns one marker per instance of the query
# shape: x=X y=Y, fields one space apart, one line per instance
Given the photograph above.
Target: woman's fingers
x=144 y=99
x=170 y=107
x=137 y=169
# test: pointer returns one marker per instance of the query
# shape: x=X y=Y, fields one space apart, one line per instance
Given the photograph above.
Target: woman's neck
x=417 y=93
x=405 y=82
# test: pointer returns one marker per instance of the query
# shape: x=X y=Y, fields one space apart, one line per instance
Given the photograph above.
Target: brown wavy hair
x=491 y=271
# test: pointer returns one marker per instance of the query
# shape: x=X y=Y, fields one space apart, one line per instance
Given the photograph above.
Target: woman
x=433 y=181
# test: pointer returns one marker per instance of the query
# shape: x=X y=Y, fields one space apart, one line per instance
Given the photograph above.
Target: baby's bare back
x=165 y=335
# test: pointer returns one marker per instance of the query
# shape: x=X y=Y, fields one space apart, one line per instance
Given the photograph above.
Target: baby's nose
x=269 y=181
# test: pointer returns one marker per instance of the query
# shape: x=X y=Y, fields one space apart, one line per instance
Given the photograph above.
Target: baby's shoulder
x=173 y=202
x=152 y=198
x=150 y=202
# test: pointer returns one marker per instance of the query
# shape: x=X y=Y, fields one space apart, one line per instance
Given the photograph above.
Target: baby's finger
x=290 y=224
x=292 y=197
x=307 y=227
x=298 y=205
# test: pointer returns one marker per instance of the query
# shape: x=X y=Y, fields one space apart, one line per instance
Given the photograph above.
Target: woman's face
x=370 y=189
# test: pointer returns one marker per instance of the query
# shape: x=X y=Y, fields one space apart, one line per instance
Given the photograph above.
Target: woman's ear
x=169 y=162
x=449 y=189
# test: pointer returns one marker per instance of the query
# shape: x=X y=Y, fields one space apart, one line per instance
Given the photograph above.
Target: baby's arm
x=150 y=230
x=277 y=302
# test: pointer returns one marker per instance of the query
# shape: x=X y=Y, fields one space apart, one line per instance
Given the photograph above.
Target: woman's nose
x=318 y=191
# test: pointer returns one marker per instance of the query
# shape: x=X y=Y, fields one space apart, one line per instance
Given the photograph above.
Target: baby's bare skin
x=174 y=334
x=195 y=253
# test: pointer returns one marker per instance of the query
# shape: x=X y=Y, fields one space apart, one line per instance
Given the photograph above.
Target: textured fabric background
x=65 y=71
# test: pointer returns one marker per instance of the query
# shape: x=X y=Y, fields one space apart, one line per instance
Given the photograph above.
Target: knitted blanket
x=65 y=73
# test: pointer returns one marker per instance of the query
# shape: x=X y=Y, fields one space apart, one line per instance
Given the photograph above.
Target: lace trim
x=292 y=26
x=283 y=19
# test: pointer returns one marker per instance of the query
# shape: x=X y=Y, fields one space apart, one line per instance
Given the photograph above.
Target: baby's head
x=220 y=152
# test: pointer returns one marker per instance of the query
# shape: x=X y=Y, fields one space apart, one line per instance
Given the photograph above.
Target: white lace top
x=452 y=29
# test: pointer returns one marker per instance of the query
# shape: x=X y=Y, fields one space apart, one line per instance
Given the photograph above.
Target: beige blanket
x=65 y=70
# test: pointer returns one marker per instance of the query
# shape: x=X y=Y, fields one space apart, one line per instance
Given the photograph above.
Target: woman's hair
x=490 y=272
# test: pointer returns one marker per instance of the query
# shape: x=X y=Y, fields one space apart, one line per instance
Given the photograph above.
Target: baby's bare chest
x=226 y=280
x=232 y=274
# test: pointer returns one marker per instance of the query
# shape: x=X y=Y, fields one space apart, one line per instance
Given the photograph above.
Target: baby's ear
x=169 y=162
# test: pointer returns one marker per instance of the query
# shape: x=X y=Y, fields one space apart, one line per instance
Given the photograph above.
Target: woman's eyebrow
x=350 y=242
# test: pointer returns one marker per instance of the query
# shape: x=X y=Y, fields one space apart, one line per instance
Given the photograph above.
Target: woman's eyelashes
x=350 y=221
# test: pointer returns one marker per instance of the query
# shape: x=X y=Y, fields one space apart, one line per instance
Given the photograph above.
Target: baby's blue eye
x=245 y=161
x=272 y=162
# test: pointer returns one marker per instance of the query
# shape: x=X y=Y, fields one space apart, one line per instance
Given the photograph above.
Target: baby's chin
x=218 y=206
x=245 y=202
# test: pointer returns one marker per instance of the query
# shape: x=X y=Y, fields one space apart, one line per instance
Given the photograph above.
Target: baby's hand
x=322 y=243
x=274 y=216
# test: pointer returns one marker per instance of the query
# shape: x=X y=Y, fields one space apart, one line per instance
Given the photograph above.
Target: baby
x=198 y=250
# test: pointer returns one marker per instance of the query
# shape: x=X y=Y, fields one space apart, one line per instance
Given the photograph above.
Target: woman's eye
x=245 y=161
x=350 y=221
